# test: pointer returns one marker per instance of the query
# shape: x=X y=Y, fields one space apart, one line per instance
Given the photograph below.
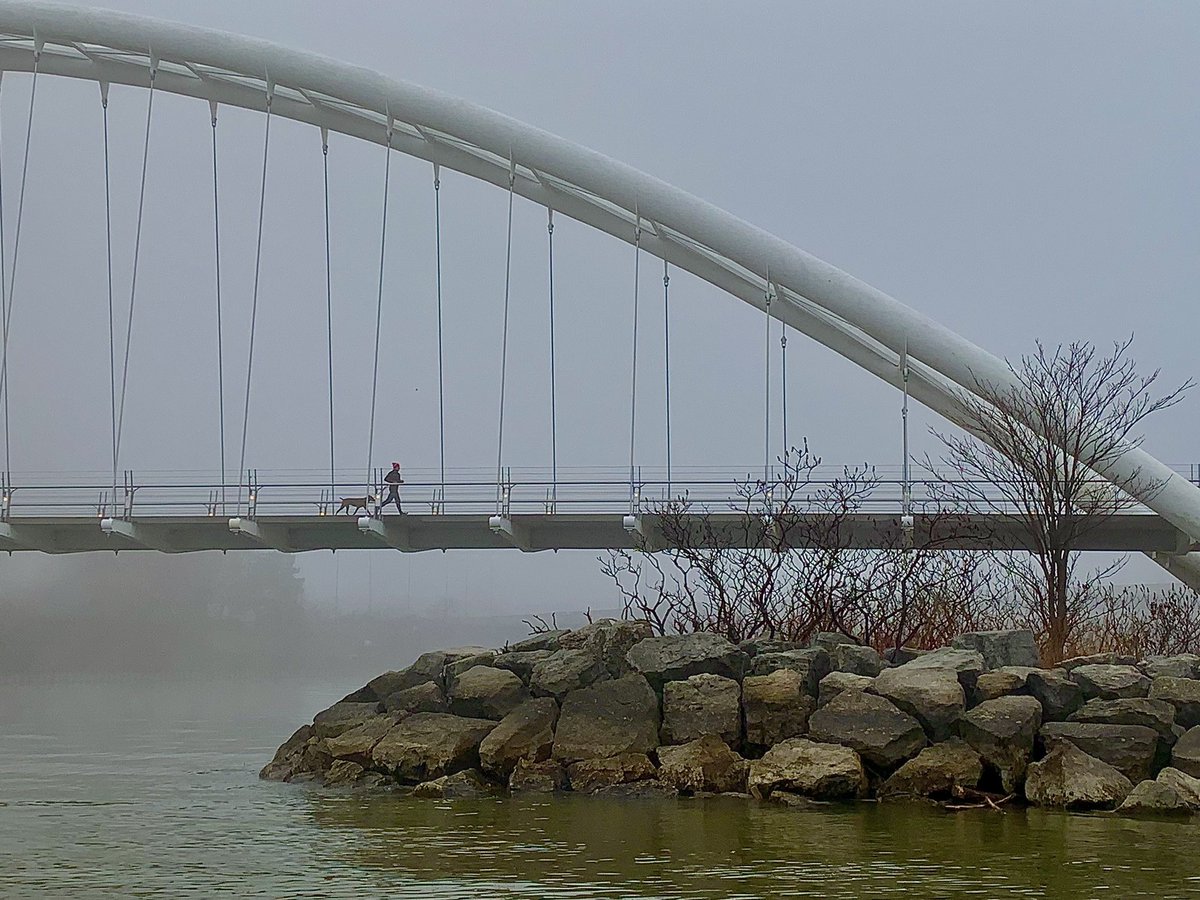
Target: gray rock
x=1097 y=659
x=427 y=746
x=565 y=671
x=590 y=775
x=485 y=692
x=1071 y=779
x=898 y=656
x=424 y=697
x=428 y=667
x=967 y=665
x=1058 y=694
x=882 y=734
x=457 y=665
x=828 y=640
x=700 y=705
x=521 y=662
x=284 y=764
x=1128 y=748
x=1001 y=648
x=546 y=641
x=1003 y=682
x=1002 y=732
x=357 y=743
x=1185 y=755
x=1110 y=682
x=525 y=733
x=1183 y=694
x=609 y=640
x=1153 y=798
x=1185 y=665
x=546 y=777
x=705 y=764
x=756 y=646
x=607 y=719
x=933 y=695
x=938 y=771
x=466 y=784
x=343 y=716
x=1156 y=714
x=855 y=660
x=800 y=766
x=836 y=682
x=1184 y=784
x=675 y=657
x=775 y=707
x=648 y=789
x=343 y=772
x=813 y=664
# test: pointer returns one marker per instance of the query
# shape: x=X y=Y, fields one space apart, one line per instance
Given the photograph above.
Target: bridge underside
x=413 y=533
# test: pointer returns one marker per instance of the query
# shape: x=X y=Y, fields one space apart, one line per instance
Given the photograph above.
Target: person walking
x=394 y=481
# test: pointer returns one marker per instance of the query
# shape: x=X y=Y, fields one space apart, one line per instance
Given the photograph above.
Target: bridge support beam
x=645 y=532
x=390 y=535
x=269 y=536
x=515 y=533
x=132 y=533
x=16 y=537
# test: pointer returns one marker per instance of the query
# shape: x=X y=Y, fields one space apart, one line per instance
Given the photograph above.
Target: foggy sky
x=1016 y=171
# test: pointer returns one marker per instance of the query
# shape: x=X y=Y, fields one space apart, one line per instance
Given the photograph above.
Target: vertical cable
x=553 y=398
x=262 y=201
x=783 y=383
x=4 y=317
x=906 y=488
x=767 y=388
x=220 y=327
x=12 y=278
x=112 y=335
x=387 y=172
x=437 y=221
x=328 y=308
x=512 y=178
x=637 y=262
x=667 y=362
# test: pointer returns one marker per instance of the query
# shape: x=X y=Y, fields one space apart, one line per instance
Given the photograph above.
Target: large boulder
x=836 y=682
x=1110 y=682
x=882 y=734
x=467 y=784
x=812 y=664
x=1129 y=748
x=545 y=777
x=426 y=746
x=1015 y=647
x=1003 y=682
x=700 y=705
x=1156 y=714
x=287 y=758
x=967 y=665
x=705 y=764
x=357 y=743
x=855 y=659
x=525 y=733
x=775 y=707
x=1097 y=659
x=800 y=766
x=1153 y=798
x=1071 y=779
x=1184 y=784
x=677 y=656
x=485 y=692
x=1185 y=755
x=564 y=671
x=932 y=695
x=609 y=640
x=938 y=771
x=590 y=775
x=424 y=697
x=521 y=662
x=1002 y=732
x=1183 y=694
x=464 y=660
x=428 y=667
x=607 y=719
x=1058 y=694
x=343 y=716
x=755 y=646
x=1185 y=665
x=547 y=640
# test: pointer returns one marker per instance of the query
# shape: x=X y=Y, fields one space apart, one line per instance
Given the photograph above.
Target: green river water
x=151 y=789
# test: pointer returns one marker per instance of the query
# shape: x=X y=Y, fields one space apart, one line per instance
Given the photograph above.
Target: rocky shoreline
x=609 y=709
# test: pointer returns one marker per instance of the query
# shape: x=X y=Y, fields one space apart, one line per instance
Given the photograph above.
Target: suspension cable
x=667 y=362
x=220 y=328
x=262 y=199
x=637 y=261
x=553 y=399
x=328 y=307
x=4 y=315
x=12 y=276
x=512 y=179
x=137 y=246
x=783 y=384
x=112 y=339
x=387 y=172
x=437 y=228
x=767 y=387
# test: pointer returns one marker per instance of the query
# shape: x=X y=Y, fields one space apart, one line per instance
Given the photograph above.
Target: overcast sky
x=1016 y=171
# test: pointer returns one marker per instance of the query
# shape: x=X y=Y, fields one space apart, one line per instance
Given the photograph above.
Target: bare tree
x=1034 y=454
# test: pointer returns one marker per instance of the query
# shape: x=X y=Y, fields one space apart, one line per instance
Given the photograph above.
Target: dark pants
x=392 y=497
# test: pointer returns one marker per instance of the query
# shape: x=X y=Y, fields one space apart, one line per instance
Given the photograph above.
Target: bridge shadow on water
x=566 y=847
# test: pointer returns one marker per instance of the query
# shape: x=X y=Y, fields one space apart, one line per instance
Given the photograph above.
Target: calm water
x=131 y=789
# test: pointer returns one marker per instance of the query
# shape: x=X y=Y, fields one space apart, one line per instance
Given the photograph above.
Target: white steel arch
x=850 y=317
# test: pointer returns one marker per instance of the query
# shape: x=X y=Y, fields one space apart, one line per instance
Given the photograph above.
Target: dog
x=356 y=503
